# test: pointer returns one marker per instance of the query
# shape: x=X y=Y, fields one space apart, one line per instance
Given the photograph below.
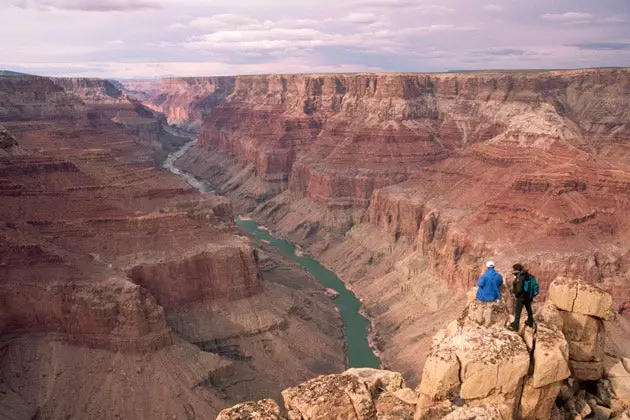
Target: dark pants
x=518 y=308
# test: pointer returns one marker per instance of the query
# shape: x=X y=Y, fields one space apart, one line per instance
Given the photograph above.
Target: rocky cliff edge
x=478 y=369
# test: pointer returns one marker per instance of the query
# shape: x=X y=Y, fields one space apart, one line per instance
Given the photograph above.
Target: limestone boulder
x=585 y=335
x=582 y=298
x=492 y=361
x=486 y=314
x=548 y=314
x=377 y=380
x=334 y=397
x=537 y=403
x=475 y=413
x=480 y=362
x=440 y=376
x=551 y=357
x=390 y=407
x=261 y=410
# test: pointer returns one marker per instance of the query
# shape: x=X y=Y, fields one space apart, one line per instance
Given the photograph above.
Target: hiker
x=525 y=288
x=489 y=284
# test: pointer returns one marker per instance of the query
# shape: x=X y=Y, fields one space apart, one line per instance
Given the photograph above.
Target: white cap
x=490 y=264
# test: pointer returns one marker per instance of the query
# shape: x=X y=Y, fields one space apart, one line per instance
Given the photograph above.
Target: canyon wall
x=106 y=259
x=403 y=183
x=183 y=101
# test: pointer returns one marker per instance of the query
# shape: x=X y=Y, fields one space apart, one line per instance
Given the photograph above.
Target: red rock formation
x=182 y=101
x=102 y=250
x=521 y=166
x=400 y=181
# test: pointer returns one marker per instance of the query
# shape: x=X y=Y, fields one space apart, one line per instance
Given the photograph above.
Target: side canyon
x=404 y=184
x=124 y=293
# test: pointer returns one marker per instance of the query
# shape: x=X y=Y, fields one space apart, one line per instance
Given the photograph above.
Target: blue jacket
x=489 y=284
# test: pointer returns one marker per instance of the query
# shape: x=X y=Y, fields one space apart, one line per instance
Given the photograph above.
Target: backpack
x=531 y=287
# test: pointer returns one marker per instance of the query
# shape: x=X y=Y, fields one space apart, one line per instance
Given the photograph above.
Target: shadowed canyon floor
x=124 y=293
x=404 y=184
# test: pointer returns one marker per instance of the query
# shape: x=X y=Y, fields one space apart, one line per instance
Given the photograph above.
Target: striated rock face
x=91 y=90
x=460 y=162
x=114 y=271
x=184 y=102
x=413 y=179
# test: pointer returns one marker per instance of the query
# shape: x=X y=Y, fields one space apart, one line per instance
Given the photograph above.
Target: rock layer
x=114 y=262
x=400 y=178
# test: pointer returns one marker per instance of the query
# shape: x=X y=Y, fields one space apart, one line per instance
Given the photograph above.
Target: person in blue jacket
x=489 y=284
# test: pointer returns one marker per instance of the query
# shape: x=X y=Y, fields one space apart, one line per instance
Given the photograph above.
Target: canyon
x=123 y=286
x=405 y=184
x=124 y=293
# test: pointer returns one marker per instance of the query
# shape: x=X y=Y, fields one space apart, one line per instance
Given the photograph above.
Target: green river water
x=359 y=353
x=355 y=326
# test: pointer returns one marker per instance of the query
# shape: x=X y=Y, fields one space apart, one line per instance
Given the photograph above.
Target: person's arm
x=500 y=280
x=482 y=280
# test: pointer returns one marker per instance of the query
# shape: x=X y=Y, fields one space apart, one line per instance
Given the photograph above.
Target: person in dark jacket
x=521 y=298
x=489 y=284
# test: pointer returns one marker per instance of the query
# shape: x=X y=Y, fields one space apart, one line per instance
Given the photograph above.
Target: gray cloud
x=89 y=5
x=387 y=3
x=500 y=52
x=569 y=17
x=603 y=46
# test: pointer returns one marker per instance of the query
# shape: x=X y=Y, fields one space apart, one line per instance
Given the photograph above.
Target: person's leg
x=518 y=308
x=530 y=314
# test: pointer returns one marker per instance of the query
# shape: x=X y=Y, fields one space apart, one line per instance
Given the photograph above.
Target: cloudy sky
x=151 y=38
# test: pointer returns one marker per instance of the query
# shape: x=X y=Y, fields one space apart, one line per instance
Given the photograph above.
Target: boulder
x=604 y=392
x=330 y=397
x=440 y=376
x=377 y=380
x=582 y=298
x=477 y=365
x=537 y=403
x=602 y=413
x=389 y=407
x=551 y=357
x=586 y=371
x=407 y=395
x=548 y=314
x=431 y=410
x=475 y=413
x=261 y=410
x=486 y=314
x=492 y=361
x=585 y=335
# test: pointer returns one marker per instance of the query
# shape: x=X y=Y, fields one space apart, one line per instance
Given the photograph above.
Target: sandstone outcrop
x=582 y=308
x=473 y=372
x=520 y=376
x=261 y=410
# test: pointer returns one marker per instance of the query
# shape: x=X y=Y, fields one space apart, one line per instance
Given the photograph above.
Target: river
x=356 y=327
